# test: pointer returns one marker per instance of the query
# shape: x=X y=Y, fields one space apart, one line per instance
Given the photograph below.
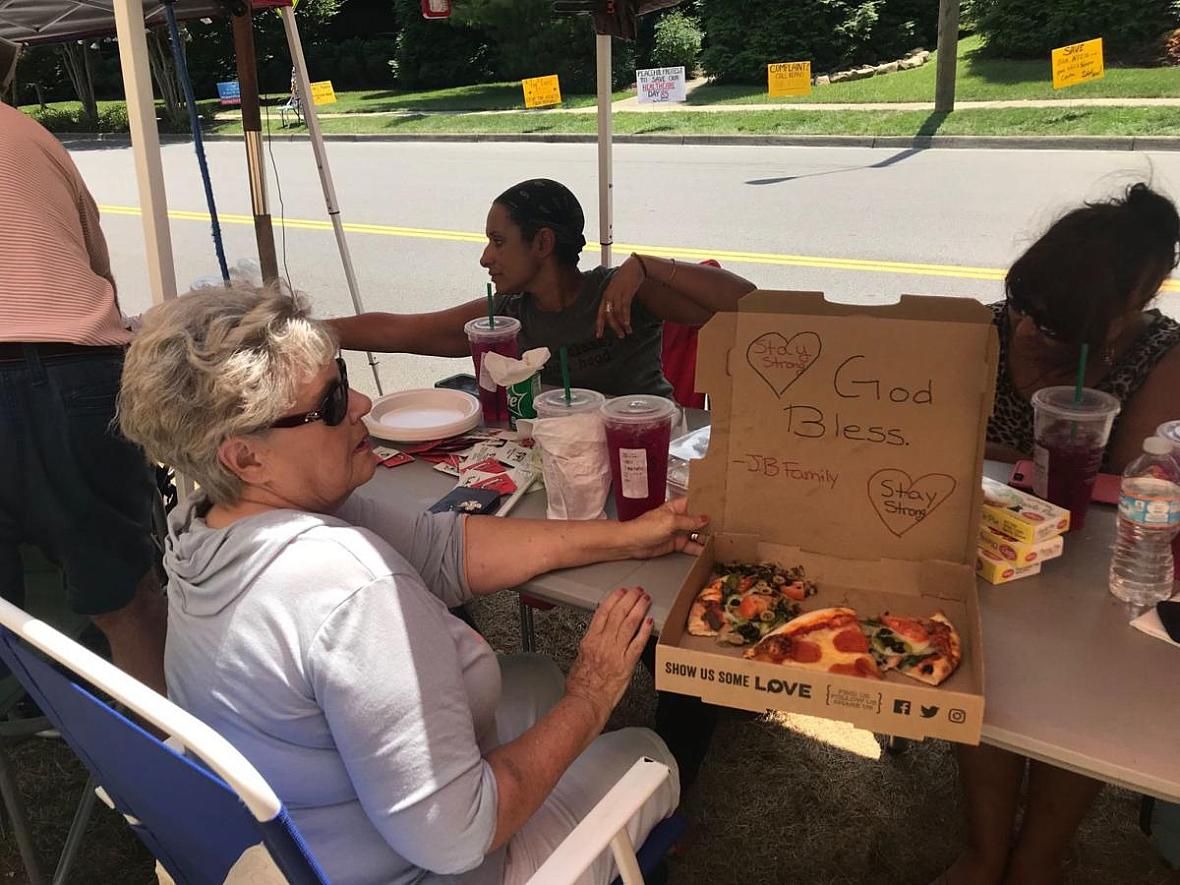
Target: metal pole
x=321 y=158
x=243 y=28
x=145 y=144
x=606 y=228
x=198 y=142
x=948 y=55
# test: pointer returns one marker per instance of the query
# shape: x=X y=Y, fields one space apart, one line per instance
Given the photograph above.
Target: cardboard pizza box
x=847 y=439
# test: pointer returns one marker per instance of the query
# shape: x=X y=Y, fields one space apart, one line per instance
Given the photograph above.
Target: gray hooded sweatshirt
x=313 y=644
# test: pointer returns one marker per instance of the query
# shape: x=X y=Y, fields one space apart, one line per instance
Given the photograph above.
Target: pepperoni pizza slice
x=926 y=649
x=828 y=639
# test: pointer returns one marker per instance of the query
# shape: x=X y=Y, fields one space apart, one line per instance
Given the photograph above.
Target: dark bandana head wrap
x=542 y=202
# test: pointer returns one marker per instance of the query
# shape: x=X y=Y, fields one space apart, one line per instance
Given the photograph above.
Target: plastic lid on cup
x=638 y=408
x=552 y=404
x=482 y=327
x=1060 y=401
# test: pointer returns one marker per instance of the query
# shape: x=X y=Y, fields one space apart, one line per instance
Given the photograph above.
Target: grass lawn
x=483 y=97
x=1011 y=121
x=979 y=79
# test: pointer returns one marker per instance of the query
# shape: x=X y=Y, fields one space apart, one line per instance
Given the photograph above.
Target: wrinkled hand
x=664 y=530
x=615 y=307
x=610 y=649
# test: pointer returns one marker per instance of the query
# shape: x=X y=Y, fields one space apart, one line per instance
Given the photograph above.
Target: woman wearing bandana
x=609 y=319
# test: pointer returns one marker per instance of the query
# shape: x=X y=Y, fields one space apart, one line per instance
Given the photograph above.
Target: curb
x=919 y=142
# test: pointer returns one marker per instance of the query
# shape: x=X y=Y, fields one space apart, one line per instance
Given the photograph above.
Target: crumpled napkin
x=1149 y=623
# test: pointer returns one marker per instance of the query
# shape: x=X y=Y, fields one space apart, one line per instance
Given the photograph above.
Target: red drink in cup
x=1070 y=440
x=638 y=431
x=487 y=338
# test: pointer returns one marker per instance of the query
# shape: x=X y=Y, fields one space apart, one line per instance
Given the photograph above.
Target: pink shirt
x=55 y=274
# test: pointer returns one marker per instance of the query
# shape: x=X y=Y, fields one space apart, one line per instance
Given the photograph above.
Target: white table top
x=1067 y=680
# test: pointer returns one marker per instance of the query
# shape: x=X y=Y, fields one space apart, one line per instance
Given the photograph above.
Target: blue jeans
x=70 y=482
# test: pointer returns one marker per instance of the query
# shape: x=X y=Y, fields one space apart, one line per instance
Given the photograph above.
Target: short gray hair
x=214 y=364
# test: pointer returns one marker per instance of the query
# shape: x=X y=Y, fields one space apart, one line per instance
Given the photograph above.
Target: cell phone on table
x=463 y=382
x=1105 y=491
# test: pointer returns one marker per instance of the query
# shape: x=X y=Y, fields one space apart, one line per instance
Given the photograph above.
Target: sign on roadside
x=660 y=85
x=1078 y=63
x=322 y=92
x=788 y=78
x=229 y=93
x=540 y=92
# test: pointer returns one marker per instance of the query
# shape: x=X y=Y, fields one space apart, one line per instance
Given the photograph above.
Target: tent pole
x=198 y=142
x=243 y=30
x=145 y=143
x=321 y=158
x=605 y=165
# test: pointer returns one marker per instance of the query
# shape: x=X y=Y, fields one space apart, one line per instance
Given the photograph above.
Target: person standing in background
x=70 y=483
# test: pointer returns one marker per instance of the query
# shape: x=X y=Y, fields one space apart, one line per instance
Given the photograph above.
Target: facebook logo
x=902 y=708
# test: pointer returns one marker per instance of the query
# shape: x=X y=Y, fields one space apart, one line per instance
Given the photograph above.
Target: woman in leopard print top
x=1090 y=279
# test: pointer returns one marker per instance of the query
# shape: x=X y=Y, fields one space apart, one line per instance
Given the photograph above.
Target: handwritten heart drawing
x=781 y=361
x=902 y=502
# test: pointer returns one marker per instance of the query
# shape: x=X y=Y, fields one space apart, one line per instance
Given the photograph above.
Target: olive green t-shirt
x=611 y=365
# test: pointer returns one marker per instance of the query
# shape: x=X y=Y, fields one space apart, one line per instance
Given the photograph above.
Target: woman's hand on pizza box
x=666 y=529
x=610 y=650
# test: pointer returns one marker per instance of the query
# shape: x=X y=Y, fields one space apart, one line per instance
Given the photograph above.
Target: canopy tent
x=53 y=21
x=33 y=22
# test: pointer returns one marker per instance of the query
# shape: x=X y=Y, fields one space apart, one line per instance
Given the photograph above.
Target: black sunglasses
x=1045 y=330
x=332 y=408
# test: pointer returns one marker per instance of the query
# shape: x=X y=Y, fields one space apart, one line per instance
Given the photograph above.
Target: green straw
x=491 y=314
x=1079 y=383
x=563 y=355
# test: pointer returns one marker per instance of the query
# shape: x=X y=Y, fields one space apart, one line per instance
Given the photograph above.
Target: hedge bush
x=743 y=36
x=677 y=42
x=1022 y=29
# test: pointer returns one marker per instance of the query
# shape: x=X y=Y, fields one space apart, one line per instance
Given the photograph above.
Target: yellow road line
x=723 y=255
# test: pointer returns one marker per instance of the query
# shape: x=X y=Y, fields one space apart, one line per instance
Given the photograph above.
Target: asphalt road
x=839 y=220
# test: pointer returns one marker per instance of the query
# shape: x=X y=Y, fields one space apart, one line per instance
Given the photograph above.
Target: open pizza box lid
x=849 y=439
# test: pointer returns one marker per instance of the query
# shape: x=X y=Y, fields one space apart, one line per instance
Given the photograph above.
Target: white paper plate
x=420 y=415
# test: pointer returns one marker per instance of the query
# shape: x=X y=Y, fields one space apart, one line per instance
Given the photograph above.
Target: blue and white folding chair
x=212 y=824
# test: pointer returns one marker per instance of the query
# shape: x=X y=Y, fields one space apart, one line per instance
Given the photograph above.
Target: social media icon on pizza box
x=901 y=707
x=956 y=715
x=929 y=712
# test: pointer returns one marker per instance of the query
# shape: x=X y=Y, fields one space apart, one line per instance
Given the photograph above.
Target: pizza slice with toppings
x=828 y=639
x=743 y=603
x=926 y=649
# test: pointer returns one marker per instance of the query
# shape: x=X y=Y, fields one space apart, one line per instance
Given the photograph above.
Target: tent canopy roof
x=54 y=21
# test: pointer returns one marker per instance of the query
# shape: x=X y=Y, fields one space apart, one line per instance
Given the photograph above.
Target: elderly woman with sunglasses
x=312 y=630
x=1090 y=278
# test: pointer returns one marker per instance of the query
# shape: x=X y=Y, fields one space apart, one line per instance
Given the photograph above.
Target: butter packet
x=996 y=570
x=1020 y=553
x=1020 y=515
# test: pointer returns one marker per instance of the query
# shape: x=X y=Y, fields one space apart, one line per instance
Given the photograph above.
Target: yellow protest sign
x=540 y=92
x=1078 y=63
x=322 y=92
x=789 y=78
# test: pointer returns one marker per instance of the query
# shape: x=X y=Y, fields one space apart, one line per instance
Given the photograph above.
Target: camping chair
x=208 y=824
x=46 y=596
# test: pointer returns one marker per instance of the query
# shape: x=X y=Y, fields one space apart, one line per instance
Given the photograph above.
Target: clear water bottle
x=1141 y=569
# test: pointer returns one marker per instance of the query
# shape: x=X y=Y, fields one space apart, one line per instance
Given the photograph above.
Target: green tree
x=531 y=40
x=677 y=42
x=437 y=54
